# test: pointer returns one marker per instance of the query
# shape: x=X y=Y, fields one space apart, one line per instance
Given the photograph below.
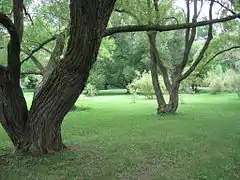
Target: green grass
x=122 y=140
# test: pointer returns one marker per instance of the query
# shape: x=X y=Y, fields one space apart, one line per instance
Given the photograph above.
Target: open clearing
x=112 y=138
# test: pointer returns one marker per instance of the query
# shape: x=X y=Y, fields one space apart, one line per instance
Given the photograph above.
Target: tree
x=39 y=130
x=179 y=71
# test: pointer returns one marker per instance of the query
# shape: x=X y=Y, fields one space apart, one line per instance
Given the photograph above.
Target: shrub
x=143 y=85
x=90 y=90
x=215 y=80
x=232 y=81
x=224 y=81
x=97 y=80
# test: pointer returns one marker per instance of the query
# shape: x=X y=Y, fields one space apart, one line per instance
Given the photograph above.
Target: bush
x=97 y=80
x=215 y=80
x=223 y=81
x=232 y=81
x=143 y=85
x=90 y=90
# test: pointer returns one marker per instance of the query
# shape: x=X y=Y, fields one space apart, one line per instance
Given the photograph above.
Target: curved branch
x=27 y=14
x=225 y=7
x=161 y=28
x=39 y=47
x=220 y=52
x=35 y=61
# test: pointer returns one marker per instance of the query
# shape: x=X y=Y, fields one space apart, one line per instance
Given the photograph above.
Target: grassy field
x=122 y=140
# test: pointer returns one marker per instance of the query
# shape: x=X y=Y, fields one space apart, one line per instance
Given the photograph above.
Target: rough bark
x=172 y=105
x=13 y=107
x=55 y=57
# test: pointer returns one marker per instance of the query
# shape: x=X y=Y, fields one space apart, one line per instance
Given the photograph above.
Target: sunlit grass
x=123 y=140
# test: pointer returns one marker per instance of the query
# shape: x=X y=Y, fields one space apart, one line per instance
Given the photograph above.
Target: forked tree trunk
x=173 y=89
x=172 y=105
x=67 y=80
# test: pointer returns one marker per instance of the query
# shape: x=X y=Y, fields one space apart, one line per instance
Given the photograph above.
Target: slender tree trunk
x=158 y=91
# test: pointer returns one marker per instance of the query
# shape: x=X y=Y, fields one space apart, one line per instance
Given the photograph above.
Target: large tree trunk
x=68 y=78
x=39 y=131
x=53 y=61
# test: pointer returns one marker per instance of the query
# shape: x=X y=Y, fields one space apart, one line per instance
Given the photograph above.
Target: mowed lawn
x=112 y=138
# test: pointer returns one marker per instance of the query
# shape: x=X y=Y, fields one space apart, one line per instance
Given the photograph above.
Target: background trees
x=66 y=66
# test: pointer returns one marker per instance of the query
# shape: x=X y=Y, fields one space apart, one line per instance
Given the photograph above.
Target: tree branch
x=162 y=28
x=38 y=44
x=220 y=52
x=39 y=47
x=35 y=61
x=13 y=47
x=225 y=7
x=189 y=37
x=203 y=50
x=27 y=14
x=47 y=50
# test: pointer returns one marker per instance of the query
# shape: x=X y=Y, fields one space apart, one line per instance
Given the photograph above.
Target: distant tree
x=180 y=61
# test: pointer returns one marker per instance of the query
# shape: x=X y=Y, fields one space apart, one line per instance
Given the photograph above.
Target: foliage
x=215 y=80
x=142 y=84
x=232 y=81
x=90 y=90
x=219 y=80
x=30 y=81
x=191 y=83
